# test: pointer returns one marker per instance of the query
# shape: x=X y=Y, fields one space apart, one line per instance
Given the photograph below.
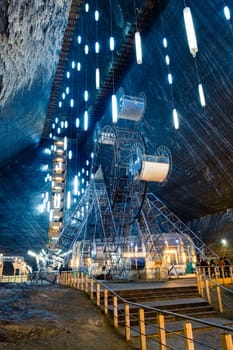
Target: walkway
x=52 y=317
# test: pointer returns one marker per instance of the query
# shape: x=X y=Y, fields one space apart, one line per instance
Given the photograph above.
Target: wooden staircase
x=181 y=300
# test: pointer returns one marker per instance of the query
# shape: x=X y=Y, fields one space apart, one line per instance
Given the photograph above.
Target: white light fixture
x=65 y=143
x=97 y=15
x=67 y=90
x=201 y=95
x=60 y=104
x=78 y=66
x=227 y=13
x=77 y=123
x=167 y=60
x=63 y=95
x=175 y=119
x=71 y=102
x=68 y=200
x=66 y=124
x=190 y=31
x=68 y=75
x=97 y=47
x=86 y=49
x=70 y=154
x=75 y=185
x=111 y=43
x=86 y=95
x=97 y=78
x=58 y=130
x=114 y=109
x=79 y=39
x=86 y=7
x=165 y=43
x=138 y=47
x=73 y=64
x=169 y=78
x=85 y=120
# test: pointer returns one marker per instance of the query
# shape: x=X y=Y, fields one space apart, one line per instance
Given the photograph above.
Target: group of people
x=223 y=266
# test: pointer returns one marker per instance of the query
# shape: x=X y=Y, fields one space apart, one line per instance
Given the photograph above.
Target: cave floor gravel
x=52 y=317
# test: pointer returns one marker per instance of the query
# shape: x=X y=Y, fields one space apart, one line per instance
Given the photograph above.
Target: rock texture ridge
x=31 y=34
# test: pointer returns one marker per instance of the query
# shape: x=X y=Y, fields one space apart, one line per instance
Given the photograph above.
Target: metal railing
x=151 y=326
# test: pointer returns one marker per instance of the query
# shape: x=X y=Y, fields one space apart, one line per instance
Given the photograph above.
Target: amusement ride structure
x=117 y=224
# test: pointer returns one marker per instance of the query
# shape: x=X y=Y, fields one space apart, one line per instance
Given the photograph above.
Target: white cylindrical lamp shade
x=190 y=31
x=138 y=47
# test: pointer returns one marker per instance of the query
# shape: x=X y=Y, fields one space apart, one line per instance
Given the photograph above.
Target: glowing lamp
x=97 y=15
x=201 y=95
x=85 y=120
x=169 y=78
x=76 y=185
x=190 y=31
x=97 y=78
x=68 y=200
x=86 y=49
x=138 y=47
x=111 y=43
x=167 y=60
x=114 y=109
x=65 y=143
x=227 y=13
x=175 y=119
x=165 y=43
x=97 y=47
x=86 y=95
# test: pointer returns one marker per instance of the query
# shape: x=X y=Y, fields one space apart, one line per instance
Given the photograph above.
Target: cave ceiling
x=39 y=42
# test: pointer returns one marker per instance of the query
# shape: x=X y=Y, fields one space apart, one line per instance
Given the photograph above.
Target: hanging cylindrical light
x=114 y=109
x=190 y=31
x=85 y=120
x=169 y=78
x=227 y=13
x=175 y=119
x=76 y=185
x=86 y=95
x=138 y=47
x=201 y=95
x=68 y=200
x=65 y=143
x=86 y=49
x=97 y=15
x=77 y=123
x=97 y=78
x=111 y=43
x=97 y=47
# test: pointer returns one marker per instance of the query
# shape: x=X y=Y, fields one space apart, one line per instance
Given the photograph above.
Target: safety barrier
x=14 y=279
x=156 y=329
